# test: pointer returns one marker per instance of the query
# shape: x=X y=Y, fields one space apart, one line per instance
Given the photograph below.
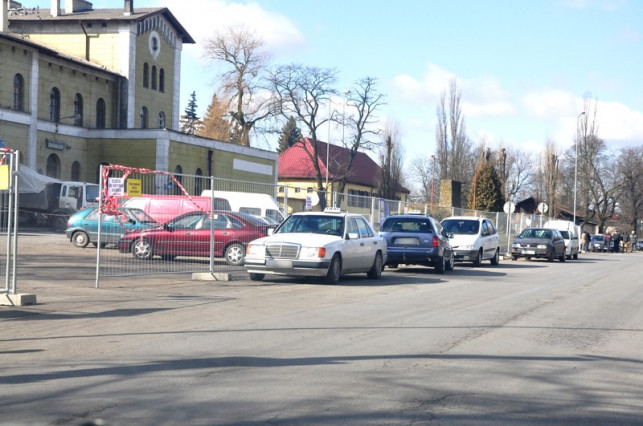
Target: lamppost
x=576 y=162
x=432 y=180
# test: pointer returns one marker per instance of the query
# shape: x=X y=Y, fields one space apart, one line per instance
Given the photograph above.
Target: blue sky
x=523 y=66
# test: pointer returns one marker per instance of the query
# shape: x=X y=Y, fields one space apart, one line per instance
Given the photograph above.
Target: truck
x=43 y=200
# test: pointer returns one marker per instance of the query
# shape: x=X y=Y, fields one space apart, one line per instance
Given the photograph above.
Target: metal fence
x=181 y=255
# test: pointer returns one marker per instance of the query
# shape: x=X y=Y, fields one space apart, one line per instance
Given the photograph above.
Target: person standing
x=633 y=240
x=626 y=243
x=587 y=238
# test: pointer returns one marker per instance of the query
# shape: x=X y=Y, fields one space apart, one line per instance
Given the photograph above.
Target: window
x=78 y=110
x=144 y=118
x=358 y=198
x=161 y=120
x=146 y=75
x=75 y=171
x=154 y=77
x=178 y=175
x=54 y=105
x=53 y=166
x=161 y=80
x=100 y=113
x=18 y=92
x=198 y=182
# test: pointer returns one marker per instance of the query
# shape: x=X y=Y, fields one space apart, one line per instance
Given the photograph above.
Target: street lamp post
x=576 y=162
x=432 y=180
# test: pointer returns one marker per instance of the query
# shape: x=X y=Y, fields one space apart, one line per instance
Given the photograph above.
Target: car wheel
x=256 y=277
x=142 y=249
x=440 y=266
x=514 y=258
x=392 y=265
x=334 y=271
x=569 y=257
x=562 y=256
x=478 y=260
x=575 y=256
x=80 y=239
x=234 y=254
x=376 y=270
x=528 y=257
x=495 y=260
x=58 y=223
x=451 y=263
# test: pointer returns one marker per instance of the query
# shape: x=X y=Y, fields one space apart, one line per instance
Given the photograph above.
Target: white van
x=250 y=203
x=473 y=239
x=571 y=234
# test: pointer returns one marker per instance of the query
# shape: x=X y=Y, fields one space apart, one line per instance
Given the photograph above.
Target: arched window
x=154 y=77
x=54 y=105
x=178 y=175
x=146 y=75
x=75 y=171
x=161 y=120
x=161 y=80
x=100 y=113
x=144 y=118
x=18 y=93
x=78 y=110
x=198 y=182
x=53 y=166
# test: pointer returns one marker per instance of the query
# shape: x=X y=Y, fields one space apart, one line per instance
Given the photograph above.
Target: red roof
x=295 y=163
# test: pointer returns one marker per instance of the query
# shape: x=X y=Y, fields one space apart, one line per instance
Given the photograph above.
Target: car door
x=491 y=239
x=352 y=246
x=368 y=246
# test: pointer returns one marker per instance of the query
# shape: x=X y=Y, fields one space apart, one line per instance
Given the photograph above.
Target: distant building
x=81 y=87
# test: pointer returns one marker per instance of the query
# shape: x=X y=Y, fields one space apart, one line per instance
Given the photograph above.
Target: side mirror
x=271 y=231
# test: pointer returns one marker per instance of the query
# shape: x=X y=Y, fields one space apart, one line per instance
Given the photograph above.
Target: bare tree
x=630 y=166
x=391 y=161
x=551 y=175
x=421 y=172
x=300 y=92
x=241 y=51
x=363 y=101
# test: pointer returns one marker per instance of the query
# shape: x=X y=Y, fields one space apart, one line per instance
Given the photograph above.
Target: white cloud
x=203 y=17
x=481 y=96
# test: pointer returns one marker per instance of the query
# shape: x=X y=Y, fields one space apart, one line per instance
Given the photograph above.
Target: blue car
x=82 y=227
x=417 y=240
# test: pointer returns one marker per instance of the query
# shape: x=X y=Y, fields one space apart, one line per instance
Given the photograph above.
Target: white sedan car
x=328 y=245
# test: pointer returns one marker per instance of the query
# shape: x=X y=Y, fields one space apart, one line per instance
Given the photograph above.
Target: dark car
x=539 y=243
x=597 y=243
x=189 y=235
x=82 y=227
x=417 y=240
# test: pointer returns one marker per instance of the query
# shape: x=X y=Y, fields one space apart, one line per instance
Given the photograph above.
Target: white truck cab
x=571 y=235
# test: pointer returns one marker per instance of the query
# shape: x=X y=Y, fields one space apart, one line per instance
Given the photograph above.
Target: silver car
x=327 y=245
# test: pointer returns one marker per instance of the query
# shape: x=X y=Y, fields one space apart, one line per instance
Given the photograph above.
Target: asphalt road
x=526 y=342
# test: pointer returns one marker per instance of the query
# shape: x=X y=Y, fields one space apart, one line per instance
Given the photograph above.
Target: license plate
x=407 y=241
x=529 y=252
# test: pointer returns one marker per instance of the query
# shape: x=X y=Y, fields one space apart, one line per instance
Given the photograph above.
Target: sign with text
x=115 y=186
x=4 y=176
x=134 y=187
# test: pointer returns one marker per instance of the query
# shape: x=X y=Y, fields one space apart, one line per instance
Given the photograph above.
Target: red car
x=189 y=235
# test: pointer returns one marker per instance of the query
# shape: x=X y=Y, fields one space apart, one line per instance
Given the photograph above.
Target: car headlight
x=256 y=250
x=542 y=246
x=312 y=252
x=515 y=245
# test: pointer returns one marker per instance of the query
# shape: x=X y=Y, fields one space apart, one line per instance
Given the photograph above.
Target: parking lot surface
x=525 y=342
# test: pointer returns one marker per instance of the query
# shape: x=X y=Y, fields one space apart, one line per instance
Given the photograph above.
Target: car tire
x=334 y=270
x=142 y=249
x=478 y=260
x=575 y=256
x=441 y=265
x=58 y=223
x=514 y=258
x=495 y=260
x=562 y=257
x=256 y=277
x=451 y=263
x=235 y=254
x=376 y=270
x=80 y=239
x=392 y=265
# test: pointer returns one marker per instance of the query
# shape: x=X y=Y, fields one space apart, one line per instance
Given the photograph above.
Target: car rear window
x=407 y=225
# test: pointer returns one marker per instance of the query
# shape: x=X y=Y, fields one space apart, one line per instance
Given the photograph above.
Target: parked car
x=597 y=243
x=417 y=240
x=165 y=207
x=189 y=235
x=545 y=243
x=473 y=239
x=325 y=244
x=82 y=227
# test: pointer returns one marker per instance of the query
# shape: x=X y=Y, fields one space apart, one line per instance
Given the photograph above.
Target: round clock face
x=154 y=43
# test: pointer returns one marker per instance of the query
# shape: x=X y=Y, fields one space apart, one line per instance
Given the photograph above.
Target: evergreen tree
x=486 y=189
x=190 y=119
x=290 y=135
x=214 y=124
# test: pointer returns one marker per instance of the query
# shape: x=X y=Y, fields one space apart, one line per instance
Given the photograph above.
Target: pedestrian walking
x=634 y=239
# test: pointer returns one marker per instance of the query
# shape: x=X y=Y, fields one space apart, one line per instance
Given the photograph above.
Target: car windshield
x=406 y=224
x=461 y=226
x=597 y=238
x=332 y=225
x=536 y=233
